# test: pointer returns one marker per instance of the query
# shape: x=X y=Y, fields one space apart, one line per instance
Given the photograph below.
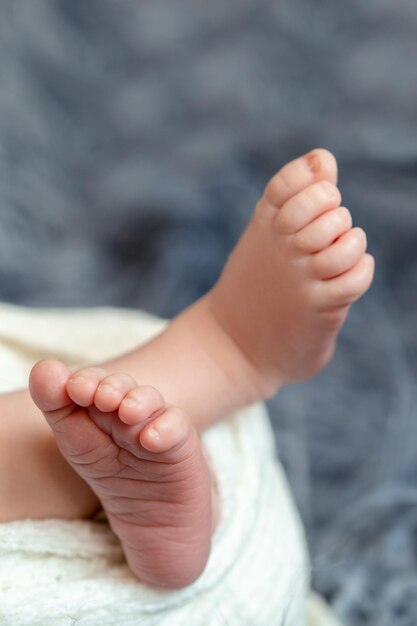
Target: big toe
x=316 y=166
x=323 y=165
x=47 y=386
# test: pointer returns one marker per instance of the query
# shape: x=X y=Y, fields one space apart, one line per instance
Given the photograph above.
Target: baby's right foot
x=288 y=285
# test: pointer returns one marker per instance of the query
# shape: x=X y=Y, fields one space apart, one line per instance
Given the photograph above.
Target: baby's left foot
x=144 y=461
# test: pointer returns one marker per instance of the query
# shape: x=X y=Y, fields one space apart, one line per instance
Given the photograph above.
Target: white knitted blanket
x=68 y=573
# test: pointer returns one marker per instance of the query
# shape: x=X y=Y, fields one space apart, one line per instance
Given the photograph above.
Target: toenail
x=77 y=379
x=330 y=190
x=313 y=163
x=106 y=388
x=153 y=433
x=130 y=402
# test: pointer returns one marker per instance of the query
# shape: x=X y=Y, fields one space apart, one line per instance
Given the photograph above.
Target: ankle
x=260 y=383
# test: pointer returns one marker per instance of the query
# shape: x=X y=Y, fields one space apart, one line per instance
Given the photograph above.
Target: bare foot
x=143 y=460
x=273 y=317
x=288 y=285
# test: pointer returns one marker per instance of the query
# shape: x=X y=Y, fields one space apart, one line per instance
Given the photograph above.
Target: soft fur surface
x=135 y=138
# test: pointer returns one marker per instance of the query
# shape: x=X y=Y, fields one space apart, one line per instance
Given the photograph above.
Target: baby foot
x=143 y=460
x=288 y=285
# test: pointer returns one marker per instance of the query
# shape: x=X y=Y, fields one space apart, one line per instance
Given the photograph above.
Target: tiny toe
x=47 y=385
x=82 y=385
x=111 y=391
x=341 y=256
x=168 y=430
x=323 y=231
x=140 y=404
x=348 y=287
x=306 y=206
x=319 y=164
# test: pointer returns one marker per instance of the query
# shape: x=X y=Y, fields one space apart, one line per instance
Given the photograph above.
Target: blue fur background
x=135 y=138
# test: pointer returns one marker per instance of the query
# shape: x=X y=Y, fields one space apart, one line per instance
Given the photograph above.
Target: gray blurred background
x=135 y=138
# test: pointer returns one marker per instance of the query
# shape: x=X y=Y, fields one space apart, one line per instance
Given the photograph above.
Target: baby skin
x=143 y=460
x=272 y=318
